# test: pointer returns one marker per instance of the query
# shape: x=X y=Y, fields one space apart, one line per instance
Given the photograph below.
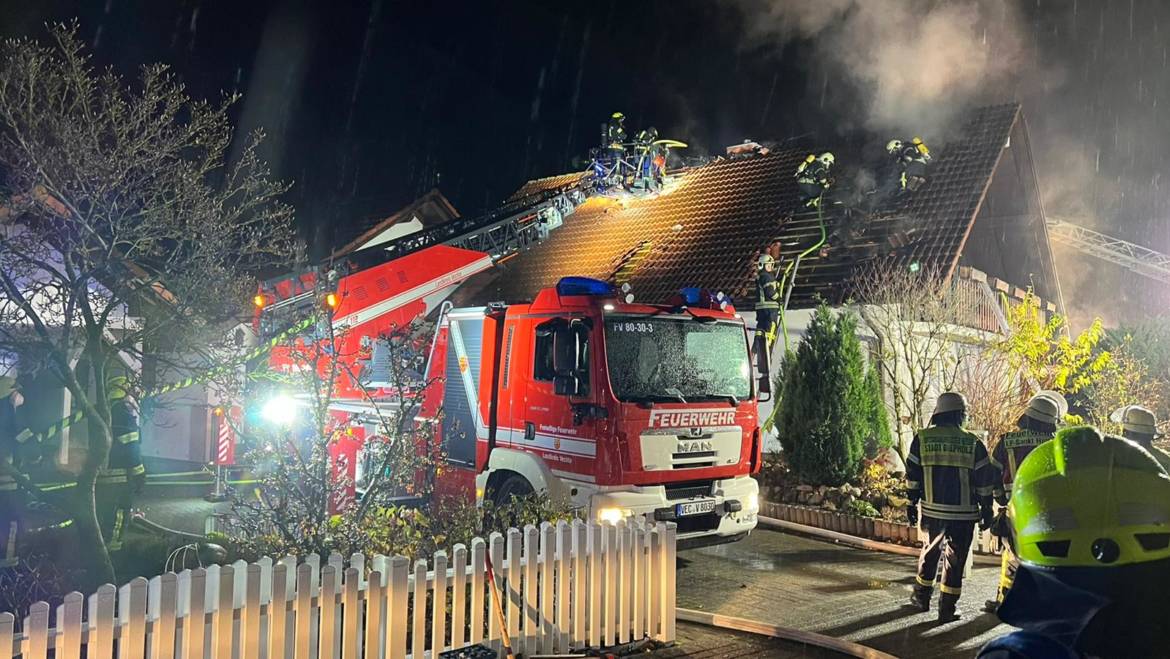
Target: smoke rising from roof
x=914 y=65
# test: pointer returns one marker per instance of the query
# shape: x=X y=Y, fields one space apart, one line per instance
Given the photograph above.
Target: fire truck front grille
x=714 y=447
x=693 y=465
x=696 y=454
x=687 y=491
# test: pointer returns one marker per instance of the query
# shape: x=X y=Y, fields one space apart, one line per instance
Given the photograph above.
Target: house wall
x=178 y=427
x=1009 y=240
x=394 y=232
x=961 y=341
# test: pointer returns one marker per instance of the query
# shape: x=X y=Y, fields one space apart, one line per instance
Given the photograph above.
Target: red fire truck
x=623 y=409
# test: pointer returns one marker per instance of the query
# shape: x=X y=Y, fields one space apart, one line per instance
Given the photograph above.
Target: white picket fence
x=562 y=586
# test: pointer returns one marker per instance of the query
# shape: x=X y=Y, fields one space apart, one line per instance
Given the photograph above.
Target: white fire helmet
x=827 y=159
x=1044 y=409
x=1135 y=418
x=765 y=261
x=950 y=401
x=893 y=146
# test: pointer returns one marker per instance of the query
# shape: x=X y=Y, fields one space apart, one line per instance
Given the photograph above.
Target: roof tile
x=710 y=228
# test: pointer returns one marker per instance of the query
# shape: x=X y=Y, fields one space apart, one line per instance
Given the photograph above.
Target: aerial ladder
x=1131 y=256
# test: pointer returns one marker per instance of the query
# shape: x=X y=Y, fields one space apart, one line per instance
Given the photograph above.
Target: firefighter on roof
x=11 y=498
x=124 y=475
x=651 y=157
x=949 y=472
x=911 y=160
x=615 y=134
x=767 y=301
x=1139 y=425
x=1036 y=426
x=1090 y=518
x=813 y=178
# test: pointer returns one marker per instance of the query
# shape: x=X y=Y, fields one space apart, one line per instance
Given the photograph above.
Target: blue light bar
x=584 y=286
x=691 y=295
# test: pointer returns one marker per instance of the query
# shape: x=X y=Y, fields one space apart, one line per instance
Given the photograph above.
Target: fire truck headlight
x=280 y=410
x=613 y=515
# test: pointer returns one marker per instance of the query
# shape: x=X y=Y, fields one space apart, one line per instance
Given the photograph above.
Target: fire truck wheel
x=511 y=486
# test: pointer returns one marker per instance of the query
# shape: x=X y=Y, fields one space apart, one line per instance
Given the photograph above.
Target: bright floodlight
x=280 y=410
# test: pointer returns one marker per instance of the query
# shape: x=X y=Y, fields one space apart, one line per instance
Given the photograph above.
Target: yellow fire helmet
x=1087 y=500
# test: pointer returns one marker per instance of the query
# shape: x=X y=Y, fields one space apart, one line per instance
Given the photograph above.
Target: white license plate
x=695 y=508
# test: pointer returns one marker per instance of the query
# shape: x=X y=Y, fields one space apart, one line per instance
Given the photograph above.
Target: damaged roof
x=710 y=226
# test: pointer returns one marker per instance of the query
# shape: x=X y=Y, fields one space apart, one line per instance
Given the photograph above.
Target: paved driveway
x=702 y=642
x=834 y=590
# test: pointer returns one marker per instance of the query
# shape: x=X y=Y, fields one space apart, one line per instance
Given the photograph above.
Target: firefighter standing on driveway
x=767 y=301
x=950 y=474
x=1139 y=425
x=124 y=475
x=1036 y=426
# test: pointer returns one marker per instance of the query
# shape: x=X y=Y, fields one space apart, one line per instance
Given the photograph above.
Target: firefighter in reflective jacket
x=767 y=300
x=1090 y=515
x=11 y=498
x=1036 y=426
x=1139 y=425
x=911 y=160
x=124 y=475
x=813 y=178
x=615 y=134
x=950 y=474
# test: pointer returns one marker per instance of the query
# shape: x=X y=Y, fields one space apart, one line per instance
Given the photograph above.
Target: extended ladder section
x=514 y=226
x=1142 y=260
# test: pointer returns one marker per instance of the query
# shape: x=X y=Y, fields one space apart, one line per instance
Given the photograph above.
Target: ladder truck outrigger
x=622 y=409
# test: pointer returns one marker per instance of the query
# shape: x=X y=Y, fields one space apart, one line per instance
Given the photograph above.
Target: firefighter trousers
x=1007 y=572
x=11 y=512
x=766 y=321
x=949 y=542
x=113 y=503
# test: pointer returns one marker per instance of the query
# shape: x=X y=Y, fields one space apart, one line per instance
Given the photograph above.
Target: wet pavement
x=834 y=590
x=703 y=642
x=181 y=513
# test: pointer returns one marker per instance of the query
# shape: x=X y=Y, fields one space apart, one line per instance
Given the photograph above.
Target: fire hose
x=787 y=285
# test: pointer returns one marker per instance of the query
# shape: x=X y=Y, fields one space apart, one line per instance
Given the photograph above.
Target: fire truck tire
x=511 y=485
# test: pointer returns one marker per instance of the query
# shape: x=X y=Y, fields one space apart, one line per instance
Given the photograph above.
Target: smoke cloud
x=913 y=65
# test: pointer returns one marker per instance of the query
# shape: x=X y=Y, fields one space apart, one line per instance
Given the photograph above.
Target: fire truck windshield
x=676 y=359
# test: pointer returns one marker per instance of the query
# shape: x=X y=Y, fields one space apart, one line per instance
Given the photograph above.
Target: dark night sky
x=369 y=103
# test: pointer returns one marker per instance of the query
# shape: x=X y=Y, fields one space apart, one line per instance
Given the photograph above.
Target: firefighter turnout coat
x=1011 y=450
x=949 y=471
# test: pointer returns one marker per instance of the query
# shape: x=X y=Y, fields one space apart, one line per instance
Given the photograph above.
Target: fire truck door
x=463 y=421
x=546 y=425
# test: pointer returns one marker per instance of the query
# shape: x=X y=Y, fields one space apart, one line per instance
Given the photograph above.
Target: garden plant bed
x=870 y=528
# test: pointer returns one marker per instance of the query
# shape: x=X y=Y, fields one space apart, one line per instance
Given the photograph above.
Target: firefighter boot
x=947 y=611
x=920 y=598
